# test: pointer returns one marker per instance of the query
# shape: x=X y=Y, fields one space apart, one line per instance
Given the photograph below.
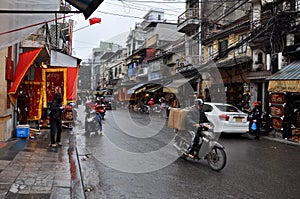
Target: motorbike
x=265 y=127
x=155 y=109
x=144 y=109
x=208 y=147
x=91 y=122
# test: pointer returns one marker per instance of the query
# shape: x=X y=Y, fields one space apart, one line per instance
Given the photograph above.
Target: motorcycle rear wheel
x=217 y=158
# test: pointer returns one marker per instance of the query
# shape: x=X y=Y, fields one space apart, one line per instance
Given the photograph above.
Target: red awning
x=25 y=61
x=72 y=76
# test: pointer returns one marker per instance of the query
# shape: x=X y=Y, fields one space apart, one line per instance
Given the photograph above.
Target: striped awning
x=136 y=88
x=289 y=72
x=287 y=79
x=174 y=86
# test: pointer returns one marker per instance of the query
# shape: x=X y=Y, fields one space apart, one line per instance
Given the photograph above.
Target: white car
x=226 y=118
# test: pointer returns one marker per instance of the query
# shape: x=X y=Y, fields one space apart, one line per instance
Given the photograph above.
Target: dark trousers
x=99 y=118
x=195 y=141
x=55 y=129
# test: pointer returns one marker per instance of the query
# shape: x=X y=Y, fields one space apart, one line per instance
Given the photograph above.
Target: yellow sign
x=284 y=86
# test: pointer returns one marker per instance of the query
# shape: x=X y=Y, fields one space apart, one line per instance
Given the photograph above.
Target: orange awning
x=25 y=61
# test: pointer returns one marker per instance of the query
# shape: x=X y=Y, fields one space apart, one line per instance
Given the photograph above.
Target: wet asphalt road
x=137 y=162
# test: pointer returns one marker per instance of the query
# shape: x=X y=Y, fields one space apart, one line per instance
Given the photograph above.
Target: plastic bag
x=253 y=126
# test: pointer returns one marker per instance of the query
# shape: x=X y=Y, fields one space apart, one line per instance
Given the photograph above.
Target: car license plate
x=239 y=119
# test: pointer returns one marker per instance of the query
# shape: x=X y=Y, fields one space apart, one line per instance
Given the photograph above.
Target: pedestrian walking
x=163 y=105
x=56 y=108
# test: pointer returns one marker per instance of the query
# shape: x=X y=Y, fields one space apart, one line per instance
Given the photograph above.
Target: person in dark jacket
x=56 y=109
x=195 y=117
x=255 y=117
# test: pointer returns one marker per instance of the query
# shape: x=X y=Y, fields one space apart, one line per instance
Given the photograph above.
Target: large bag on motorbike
x=177 y=118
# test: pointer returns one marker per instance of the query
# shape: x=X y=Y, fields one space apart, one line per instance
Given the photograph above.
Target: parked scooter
x=208 y=147
x=265 y=127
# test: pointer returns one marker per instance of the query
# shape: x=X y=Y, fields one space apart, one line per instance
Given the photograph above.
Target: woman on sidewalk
x=56 y=109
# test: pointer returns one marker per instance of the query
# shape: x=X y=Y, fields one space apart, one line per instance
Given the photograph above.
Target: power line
x=142 y=7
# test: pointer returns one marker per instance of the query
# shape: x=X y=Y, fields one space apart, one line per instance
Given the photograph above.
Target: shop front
x=284 y=88
x=227 y=83
x=35 y=84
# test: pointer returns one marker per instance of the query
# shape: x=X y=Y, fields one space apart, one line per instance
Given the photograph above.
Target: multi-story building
x=135 y=39
x=275 y=33
x=99 y=56
x=232 y=61
x=208 y=23
x=116 y=69
x=189 y=23
x=157 y=32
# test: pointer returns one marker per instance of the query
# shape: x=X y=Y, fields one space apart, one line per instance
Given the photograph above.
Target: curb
x=283 y=141
x=77 y=182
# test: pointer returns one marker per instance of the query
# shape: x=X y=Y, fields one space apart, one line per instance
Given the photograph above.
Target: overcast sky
x=118 y=17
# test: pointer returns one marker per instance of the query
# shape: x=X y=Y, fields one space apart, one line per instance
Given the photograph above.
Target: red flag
x=94 y=20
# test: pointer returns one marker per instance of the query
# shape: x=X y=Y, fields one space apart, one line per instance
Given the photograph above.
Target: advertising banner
x=34 y=92
x=55 y=81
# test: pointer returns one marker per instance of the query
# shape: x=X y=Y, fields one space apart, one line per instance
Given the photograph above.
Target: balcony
x=189 y=20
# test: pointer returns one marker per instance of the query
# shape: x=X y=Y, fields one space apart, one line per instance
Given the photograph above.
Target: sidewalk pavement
x=277 y=137
x=29 y=169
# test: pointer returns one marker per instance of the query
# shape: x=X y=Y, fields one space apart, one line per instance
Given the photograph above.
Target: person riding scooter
x=255 y=119
x=98 y=108
x=194 y=119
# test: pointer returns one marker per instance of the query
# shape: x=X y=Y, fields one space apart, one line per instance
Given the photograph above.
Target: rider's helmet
x=199 y=102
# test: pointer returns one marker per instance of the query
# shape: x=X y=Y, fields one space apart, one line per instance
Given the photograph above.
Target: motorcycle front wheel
x=216 y=159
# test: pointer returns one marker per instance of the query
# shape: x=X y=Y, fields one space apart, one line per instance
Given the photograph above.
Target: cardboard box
x=177 y=118
x=22 y=131
x=173 y=117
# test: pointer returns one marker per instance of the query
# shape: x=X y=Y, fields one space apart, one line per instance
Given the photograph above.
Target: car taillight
x=224 y=117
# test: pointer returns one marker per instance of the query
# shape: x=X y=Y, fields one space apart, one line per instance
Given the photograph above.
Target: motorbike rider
x=255 y=116
x=101 y=100
x=194 y=119
x=98 y=106
x=151 y=102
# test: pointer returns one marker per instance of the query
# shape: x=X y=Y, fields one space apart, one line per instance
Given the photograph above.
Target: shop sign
x=284 y=86
x=277 y=123
x=277 y=111
x=183 y=68
x=277 y=98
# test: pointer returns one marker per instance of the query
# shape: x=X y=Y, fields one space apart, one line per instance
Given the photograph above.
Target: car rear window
x=227 y=108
